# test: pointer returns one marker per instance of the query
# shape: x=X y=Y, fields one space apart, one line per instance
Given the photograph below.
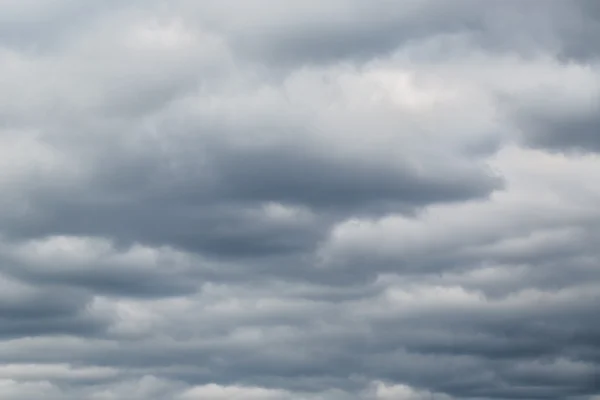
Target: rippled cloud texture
x=299 y=199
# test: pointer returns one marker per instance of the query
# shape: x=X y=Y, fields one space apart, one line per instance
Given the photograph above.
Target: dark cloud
x=575 y=132
x=318 y=201
x=353 y=30
x=30 y=311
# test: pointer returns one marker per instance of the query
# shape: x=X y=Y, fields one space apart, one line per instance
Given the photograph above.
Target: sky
x=299 y=199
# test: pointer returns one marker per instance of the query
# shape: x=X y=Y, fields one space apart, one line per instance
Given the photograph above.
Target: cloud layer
x=299 y=200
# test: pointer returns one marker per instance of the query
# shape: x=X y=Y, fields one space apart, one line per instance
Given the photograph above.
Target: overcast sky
x=299 y=199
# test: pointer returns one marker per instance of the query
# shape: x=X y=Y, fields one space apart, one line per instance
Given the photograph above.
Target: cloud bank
x=299 y=200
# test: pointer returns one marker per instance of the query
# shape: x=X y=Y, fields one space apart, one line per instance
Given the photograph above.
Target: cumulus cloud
x=341 y=200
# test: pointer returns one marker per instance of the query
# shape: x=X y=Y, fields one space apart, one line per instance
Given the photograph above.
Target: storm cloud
x=316 y=200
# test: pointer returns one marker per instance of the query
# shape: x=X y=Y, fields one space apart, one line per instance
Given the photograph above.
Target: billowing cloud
x=341 y=200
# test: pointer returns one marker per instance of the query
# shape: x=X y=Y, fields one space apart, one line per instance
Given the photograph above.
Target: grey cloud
x=578 y=45
x=211 y=199
x=48 y=312
x=484 y=339
x=577 y=132
x=309 y=200
x=310 y=32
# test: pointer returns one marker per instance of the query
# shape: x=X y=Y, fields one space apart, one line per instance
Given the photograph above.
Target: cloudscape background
x=299 y=199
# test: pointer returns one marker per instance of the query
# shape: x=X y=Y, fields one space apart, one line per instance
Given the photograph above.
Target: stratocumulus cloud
x=301 y=199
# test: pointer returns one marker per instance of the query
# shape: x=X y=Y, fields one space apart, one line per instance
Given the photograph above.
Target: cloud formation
x=341 y=200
